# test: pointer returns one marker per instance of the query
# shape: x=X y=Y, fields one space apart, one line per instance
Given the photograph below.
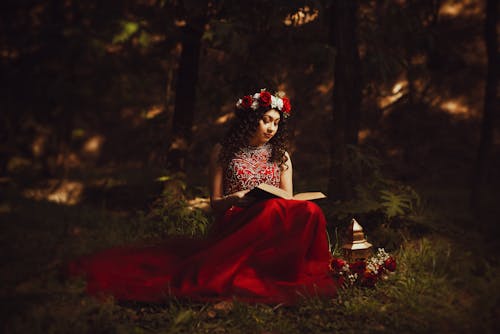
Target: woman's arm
x=218 y=201
x=286 y=180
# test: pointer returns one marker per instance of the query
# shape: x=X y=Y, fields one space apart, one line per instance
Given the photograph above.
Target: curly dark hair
x=242 y=128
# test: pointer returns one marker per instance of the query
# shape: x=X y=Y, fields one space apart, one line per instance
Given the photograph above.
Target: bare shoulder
x=287 y=165
x=288 y=159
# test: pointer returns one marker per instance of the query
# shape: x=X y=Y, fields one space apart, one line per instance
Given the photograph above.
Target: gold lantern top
x=356 y=246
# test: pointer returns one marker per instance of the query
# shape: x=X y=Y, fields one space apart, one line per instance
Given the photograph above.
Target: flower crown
x=266 y=100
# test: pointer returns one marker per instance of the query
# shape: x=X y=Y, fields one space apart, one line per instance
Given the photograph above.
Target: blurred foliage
x=375 y=192
x=109 y=69
x=387 y=209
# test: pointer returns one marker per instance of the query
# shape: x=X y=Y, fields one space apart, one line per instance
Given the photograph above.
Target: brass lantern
x=356 y=247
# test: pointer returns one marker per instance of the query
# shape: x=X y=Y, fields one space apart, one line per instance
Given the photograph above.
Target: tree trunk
x=490 y=104
x=185 y=94
x=346 y=95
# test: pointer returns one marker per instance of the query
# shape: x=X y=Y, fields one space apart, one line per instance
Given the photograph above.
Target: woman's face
x=267 y=128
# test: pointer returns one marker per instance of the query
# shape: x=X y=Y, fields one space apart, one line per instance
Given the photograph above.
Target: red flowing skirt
x=275 y=251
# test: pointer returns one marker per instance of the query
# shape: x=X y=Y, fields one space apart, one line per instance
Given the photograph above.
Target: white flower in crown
x=276 y=102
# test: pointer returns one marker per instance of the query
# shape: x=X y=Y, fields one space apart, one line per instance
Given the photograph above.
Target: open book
x=265 y=191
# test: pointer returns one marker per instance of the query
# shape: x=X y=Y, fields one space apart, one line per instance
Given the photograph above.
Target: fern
x=377 y=196
x=395 y=204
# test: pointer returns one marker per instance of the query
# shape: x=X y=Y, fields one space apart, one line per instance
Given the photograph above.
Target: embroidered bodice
x=249 y=168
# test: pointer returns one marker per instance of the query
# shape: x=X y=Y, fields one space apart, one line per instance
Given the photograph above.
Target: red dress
x=274 y=251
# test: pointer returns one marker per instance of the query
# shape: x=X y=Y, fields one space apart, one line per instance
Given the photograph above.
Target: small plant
x=171 y=215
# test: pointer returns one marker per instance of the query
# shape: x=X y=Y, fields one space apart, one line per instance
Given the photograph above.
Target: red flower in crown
x=287 y=107
x=246 y=101
x=265 y=99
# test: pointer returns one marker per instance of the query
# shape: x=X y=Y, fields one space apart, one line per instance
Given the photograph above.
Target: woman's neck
x=256 y=146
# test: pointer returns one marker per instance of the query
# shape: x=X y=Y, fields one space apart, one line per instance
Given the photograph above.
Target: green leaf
x=394 y=204
x=128 y=29
x=183 y=317
x=163 y=178
x=78 y=133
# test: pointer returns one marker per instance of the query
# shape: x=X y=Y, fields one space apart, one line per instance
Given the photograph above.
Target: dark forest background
x=109 y=110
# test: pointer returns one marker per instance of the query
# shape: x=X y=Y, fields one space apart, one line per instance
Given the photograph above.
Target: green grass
x=441 y=285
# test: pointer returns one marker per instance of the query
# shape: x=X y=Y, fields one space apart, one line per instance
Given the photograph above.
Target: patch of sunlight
x=363 y=134
x=179 y=144
x=460 y=8
x=38 y=145
x=302 y=16
x=153 y=112
x=281 y=90
x=5 y=208
x=9 y=54
x=71 y=160
x=398 y=87
x=325 y=88
x=396 y=94
x=67 y=193
x=180 y=23
x=202 y=203
x=419 y=59
x=394 y=152
x=92 y=146
x=114 y=48
x=455 y=107
x=4 y=180
x=224 y=118
x=157 y=38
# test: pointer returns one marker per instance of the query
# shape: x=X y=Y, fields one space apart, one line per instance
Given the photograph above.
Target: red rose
x=390 y=264
x=337 y=264
x=246 y=101
x=265 y=99
x=358 y=267
x=369 y=279
x=287 y=107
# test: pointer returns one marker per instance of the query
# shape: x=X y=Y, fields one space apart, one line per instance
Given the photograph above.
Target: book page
x=274 y=190
x=309 y=196
x=278 y=192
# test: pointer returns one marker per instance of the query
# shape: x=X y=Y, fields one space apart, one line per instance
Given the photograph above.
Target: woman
x=271 y=251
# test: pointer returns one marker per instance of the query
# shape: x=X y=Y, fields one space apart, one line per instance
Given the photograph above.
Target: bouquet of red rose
x=363 y=273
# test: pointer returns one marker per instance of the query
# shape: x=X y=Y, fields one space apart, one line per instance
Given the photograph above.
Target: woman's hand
x=239 y=198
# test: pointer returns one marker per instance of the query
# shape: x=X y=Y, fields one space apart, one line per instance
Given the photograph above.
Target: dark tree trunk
x=490 y=103
x=185 y=94
x=346 y=95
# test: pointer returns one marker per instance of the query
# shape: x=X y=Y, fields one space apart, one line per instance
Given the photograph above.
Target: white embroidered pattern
x=249 y=168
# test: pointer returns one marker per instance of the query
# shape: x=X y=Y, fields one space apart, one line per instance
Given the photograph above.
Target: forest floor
x=446 y=280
